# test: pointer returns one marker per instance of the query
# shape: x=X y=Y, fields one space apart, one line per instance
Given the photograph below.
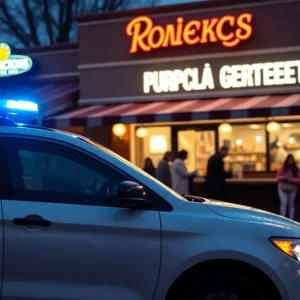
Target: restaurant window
x=247 y=148
x=282 y=142
x=154 y=143
x=200 y=145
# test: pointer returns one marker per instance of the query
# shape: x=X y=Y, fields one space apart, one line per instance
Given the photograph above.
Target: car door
x=4 y=183
x=66 y=236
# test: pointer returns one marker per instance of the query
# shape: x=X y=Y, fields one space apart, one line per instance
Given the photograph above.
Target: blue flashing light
x=20 y=105
x=20 y=111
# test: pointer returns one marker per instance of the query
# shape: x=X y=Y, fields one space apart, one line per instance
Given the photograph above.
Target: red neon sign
x=146 y=36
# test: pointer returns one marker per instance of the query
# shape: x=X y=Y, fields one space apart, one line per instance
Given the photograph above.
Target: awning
x=57 y=97
x=51 y=97
x=188 y=110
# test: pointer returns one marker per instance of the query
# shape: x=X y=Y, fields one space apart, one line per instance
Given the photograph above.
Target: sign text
x=229 y=30
x=11 y=65
x=266 y=74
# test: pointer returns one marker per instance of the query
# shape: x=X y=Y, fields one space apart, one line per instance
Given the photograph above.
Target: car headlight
x=291 y=247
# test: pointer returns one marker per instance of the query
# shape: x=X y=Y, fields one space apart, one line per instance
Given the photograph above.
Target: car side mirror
x=133 y=195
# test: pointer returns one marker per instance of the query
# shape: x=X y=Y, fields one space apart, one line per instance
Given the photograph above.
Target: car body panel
x=87 y=253
x=200 y=235
x=190 y=234
x=240 y=212
x=287 y=279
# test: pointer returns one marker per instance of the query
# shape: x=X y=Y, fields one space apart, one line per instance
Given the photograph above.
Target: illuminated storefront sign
x=11 y=65
x=228 y=30
x=267 y=74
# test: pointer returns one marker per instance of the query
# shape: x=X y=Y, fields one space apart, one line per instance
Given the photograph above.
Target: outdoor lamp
x=119 y=130
x=225 y=128
x=273 y=126
x=141 y=132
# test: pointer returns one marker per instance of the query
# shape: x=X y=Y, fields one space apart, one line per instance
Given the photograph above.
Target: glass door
x=200 y=145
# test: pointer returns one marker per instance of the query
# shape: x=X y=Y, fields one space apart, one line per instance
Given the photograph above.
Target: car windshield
x=102 y=148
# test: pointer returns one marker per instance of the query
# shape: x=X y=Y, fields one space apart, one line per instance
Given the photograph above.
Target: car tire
x=222 y=285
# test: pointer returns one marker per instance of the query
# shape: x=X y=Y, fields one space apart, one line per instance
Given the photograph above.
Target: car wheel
x=222 y=286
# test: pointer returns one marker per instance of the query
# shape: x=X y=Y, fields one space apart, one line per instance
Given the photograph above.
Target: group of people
x=176 y=176
x=180 y=179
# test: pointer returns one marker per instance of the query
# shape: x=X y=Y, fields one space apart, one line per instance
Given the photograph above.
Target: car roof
x=38 y=131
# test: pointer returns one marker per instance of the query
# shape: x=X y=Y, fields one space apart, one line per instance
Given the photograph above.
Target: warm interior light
x=291 y=140
x=239 y=142
x=141 y=132
x=119 y=130
x=225 y=128
x=254 y=126
x=287 y=125
x=158 y=144
x=258 y=138
x=273 y=126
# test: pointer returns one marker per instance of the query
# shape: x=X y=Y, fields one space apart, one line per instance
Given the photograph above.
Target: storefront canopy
x=55 y=98
x=188 y=110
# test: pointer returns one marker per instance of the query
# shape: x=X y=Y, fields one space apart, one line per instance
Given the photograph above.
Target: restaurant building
x=194 y=77
x=179 y=72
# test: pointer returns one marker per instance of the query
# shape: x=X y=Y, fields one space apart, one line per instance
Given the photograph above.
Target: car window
x=47 y=172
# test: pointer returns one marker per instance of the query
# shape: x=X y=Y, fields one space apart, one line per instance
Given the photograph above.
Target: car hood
x=240 y=212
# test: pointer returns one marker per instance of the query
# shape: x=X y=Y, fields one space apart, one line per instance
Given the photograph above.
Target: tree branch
x=35 y=22
x=48 y=22
x=14 y=26
x=65 y=23
x=31 y=23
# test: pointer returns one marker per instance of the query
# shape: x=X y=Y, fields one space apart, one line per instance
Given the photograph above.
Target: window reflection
x=154 y=145
x=200 y=146
x=247 y=148
x=285 y=141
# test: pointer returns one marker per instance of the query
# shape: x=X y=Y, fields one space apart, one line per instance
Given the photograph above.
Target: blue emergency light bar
x=19 y=105
x=19 y=110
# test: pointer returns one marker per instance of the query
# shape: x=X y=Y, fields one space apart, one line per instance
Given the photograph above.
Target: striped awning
x=188 y=110
x=57 y=97
x=52 y=98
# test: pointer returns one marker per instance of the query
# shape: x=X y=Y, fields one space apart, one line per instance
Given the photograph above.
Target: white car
x=80 y=222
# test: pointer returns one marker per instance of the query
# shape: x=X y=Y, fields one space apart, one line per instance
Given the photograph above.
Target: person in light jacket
x=180 y=175
x=163 y=171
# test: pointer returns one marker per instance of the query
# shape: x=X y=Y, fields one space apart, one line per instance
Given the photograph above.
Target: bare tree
x=40 y=22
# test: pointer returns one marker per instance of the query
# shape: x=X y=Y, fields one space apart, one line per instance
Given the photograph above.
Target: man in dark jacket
x=163 y=172
x=215 y=181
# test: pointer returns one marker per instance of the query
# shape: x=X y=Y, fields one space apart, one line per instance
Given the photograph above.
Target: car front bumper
x=287 y=280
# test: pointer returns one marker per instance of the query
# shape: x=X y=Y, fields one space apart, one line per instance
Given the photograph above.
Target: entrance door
x=65 y=235
x=200 y=146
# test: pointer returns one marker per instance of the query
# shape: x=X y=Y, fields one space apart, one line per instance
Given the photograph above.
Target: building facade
x=191 y=77
x=180 y=72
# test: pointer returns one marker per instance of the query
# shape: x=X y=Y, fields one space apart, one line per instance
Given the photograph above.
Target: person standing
x=278 y=153
x=180 y=175
x=215 y=180
x=149 y=167
x=288 y=178
x=163 y=171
